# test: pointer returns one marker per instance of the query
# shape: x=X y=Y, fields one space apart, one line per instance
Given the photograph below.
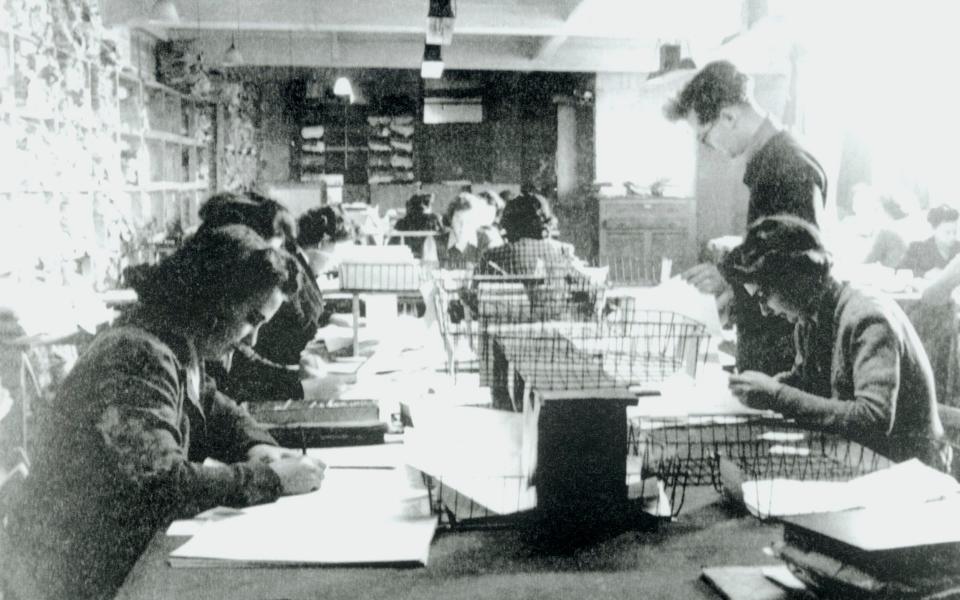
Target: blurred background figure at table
x=881 y=226
x=419 y=217
x=528 y=223
x=123 y=452
x=929 y=257
x=860 y=369
x=471 y=231
x=269 y=368
x=497 y=203
x=322 y=234
x=937 y=319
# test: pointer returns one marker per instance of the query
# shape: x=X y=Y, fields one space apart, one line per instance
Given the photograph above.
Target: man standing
x=782 y=178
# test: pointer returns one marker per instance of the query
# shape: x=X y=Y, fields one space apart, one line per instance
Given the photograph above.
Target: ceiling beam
x=476 y=53
x=612 y=19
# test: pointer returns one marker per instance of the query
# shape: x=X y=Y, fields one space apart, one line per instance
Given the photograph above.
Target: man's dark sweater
x=782 y=178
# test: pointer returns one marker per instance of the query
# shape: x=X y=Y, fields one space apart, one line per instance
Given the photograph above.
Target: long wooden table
x=495 y=564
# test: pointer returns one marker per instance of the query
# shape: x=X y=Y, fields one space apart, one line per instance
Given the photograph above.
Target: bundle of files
x=890 y=534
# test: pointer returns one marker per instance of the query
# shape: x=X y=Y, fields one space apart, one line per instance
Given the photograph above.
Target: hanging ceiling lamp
x=232 y=57
x=432 y=65
x=440 y=19
x=342 y=87
x=164 y=11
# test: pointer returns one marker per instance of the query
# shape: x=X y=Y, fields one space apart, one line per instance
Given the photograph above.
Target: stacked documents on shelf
x=358 y=517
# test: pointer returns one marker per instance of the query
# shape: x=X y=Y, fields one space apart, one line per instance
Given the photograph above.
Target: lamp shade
x=232 y=56
x=440 y=22
x=164 y=10
x=432 y=66
x=342 y=87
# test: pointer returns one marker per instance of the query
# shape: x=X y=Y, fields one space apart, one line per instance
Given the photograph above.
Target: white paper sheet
x=904 y=484
x=359 y=516
x=682 y=396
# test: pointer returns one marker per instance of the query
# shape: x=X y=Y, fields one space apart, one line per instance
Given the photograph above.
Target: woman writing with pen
x=124 y=450
x=860 y=368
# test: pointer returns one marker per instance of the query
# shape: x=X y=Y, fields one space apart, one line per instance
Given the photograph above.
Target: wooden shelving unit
x=95 y=153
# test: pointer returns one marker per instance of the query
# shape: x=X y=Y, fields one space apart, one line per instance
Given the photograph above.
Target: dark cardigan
x=861 y=371
x=119 y=458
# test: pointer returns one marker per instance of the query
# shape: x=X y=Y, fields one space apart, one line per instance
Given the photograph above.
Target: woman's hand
x=706 y=278
x=322 y=389
x=300 y=474
x=268 y=453
x=755 y=389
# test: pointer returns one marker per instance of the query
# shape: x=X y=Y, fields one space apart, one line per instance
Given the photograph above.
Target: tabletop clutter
x=580 y=397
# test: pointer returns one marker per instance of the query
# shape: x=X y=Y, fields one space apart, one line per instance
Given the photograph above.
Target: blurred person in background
x=419 y=217
x=322 y=235
x=269 y=368
x=471 y=231
x=929 y=257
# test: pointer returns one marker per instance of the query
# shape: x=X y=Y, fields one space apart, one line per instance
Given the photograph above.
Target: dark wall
x=516 y=142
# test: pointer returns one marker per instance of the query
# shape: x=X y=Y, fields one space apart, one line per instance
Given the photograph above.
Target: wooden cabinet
x=636 y=233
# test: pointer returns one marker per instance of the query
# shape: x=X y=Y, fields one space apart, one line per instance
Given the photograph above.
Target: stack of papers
x=905 y=484
x=358 y=517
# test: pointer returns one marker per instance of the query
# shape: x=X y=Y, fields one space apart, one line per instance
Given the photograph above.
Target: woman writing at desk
x=860 y=369
x=123 y=452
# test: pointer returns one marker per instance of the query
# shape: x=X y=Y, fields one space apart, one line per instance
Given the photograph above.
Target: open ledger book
x=358 y=517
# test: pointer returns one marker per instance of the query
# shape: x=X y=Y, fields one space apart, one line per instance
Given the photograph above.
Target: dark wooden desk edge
x=491 y=564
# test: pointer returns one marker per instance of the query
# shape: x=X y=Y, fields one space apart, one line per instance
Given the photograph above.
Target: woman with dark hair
x=322 y=232
x=419 y=217
x=527 y=223
x=270 y=368
x=860 y=368
x=124 y=452
x=471 y=230
x=935 y=252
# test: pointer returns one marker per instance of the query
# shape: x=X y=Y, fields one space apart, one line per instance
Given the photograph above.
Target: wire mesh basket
x=629 y=270
x=484 y=467
x=561 y=334
x=509 y=500
x=724 y=451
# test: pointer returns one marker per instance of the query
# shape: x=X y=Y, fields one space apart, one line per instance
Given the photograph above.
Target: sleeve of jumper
x=231 y=430
x=873 y=351
x=140 y=427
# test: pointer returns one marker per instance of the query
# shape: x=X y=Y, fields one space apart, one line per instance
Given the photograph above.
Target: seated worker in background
x=860 y=368
x=929 y=257
x=471 y=230
x=419 y=217
x=269 y=367
x=497 y=203
x=880 y=227
x=527 y=224
x=123 y=452
x=322 y=235
x=530 y=251
x=936 y=319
